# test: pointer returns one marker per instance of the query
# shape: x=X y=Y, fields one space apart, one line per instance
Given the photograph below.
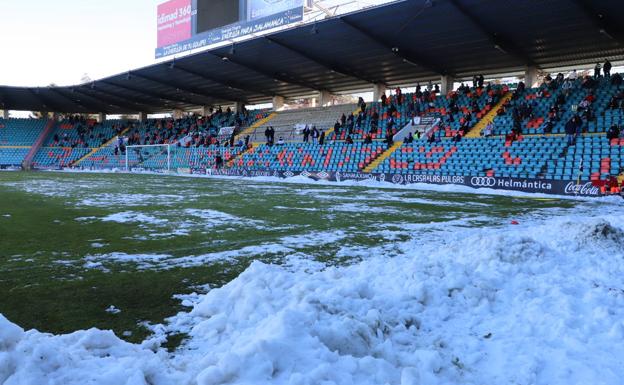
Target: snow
x=133 y=217
x=112 y=310
x=283 y=246
x=541 y=302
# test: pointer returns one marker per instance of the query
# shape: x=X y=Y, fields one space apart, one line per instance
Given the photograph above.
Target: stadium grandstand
x=451 y=123
x=525 y=117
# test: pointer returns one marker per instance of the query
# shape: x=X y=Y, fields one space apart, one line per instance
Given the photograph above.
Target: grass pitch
x=72 y=245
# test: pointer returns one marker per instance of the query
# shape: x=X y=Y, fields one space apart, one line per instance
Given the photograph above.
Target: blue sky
x=57 y=41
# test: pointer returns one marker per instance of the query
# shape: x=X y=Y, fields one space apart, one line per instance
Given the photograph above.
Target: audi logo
x=483 y=181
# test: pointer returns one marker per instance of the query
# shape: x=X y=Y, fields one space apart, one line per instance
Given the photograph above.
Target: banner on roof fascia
x=542 y=186
x=174 y=22
x=231 y=31
x=258 y=9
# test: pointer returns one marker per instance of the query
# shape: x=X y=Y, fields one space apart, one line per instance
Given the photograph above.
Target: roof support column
x=530 y=76
x=378 y=90
x=239 y=107
x=207 y=110
x=5 y=114
x=142 y=116
x=101 y=117
x=278 y=103
x=446 y=85
x=325 y=98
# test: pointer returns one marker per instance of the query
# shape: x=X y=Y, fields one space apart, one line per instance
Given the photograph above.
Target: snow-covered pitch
x=537 y=303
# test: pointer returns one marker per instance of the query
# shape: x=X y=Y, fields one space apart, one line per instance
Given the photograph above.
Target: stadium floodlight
x=151 y=157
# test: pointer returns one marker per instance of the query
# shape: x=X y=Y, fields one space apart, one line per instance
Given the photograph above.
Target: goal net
x=155 y=157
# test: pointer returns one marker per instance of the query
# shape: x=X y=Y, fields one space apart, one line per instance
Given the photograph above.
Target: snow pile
x=538 y=303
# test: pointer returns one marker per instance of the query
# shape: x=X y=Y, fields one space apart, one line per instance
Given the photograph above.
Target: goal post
x=152 y=157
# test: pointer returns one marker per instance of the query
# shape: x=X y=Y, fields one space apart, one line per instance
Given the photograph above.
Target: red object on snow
x=515 y=223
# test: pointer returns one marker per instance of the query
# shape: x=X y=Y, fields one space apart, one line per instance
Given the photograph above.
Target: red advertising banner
x=174 y=22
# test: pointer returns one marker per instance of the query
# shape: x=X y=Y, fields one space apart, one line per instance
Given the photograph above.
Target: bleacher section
x=297 y=157
x=475 y=157
x=85 y=134
x=592 y=157
x=285 y=122
x=20 y=132
x=194 y=142
x=16 y=138
x=12 y=157
x=530 y=153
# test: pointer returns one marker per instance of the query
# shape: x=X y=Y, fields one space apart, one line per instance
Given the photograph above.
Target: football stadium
x=410 y=192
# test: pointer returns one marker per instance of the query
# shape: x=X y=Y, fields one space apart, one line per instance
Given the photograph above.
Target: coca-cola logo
x=581 y=189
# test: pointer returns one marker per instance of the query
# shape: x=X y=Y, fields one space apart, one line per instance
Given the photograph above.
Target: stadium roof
x=396 y=44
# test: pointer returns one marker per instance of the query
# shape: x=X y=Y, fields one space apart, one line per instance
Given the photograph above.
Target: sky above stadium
x=45 y=42
x=58 y=41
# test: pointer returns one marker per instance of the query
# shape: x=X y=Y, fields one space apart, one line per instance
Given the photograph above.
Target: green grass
x=47 y=286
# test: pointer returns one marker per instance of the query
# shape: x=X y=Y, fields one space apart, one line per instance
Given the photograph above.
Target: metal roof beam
x=229 y=84
x=114 y=97
x=89 y=106
x=98 y=101
x=283 y=77
x=190 y=90
x=406 y=55
x=606 y=25
x=499 y=42
x=151 y=94
x=48 y=103
x=330 y=66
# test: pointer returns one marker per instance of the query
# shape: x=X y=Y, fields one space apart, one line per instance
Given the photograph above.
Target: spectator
x=606 y=68
x=389 y=139
x=315 y=135
x=613 y=103
x=570 y=130
x=597 y=69
x=410 y=138
x=272 y=133
x=280 y=141
x=306 y=133
x=337 y=126
x=322 y=138
x=218 y=161
x=613 y=132
x=367 y=140
x=349 y=140
x=489 y=129
x=267 y=134
x=548 y=126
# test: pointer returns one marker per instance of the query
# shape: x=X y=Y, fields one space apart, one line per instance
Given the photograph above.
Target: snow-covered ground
x=541 y=302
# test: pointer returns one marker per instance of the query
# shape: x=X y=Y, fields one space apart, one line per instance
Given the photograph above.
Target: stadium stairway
x=94 y=150
x=476 y=130
x=50 y=125
x=250 y=130
x=373 y=165
x=233 y=161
